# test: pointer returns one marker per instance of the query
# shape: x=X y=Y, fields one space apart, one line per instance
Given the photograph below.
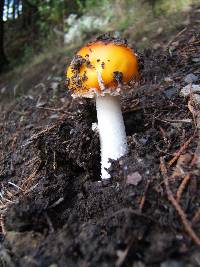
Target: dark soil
x=55 y=212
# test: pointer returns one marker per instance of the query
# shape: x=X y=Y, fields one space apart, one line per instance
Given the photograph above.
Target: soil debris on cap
x=76 y=80
x=109 y=37
x=118 y=76
x=103 y=65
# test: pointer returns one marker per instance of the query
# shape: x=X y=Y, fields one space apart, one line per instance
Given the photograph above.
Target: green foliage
x=52 y=11
x=170 y=6
x=92 y=5
x=28 y=53
x=124 y=24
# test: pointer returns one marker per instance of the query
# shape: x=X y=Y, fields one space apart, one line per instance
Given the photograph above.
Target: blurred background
x=33 y=30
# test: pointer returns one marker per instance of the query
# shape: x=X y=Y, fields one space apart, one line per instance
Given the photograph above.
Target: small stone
x=156 y=45
x=40 y=104
x=54 y=116
x=196 y=59
x=159 y=30
x=191 y=78
x=196 y=98
x=63 y=99
x=194 y=88
x=175 y=44
x=134 y=178
x=168 y=79
x=169 y=93
x=143 y=140
x=121 y=162
x=54 y=85
x=57 y=78
x=179 y=237
x=71 y=131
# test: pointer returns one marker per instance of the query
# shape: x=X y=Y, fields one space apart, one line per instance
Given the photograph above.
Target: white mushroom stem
x=112 y=133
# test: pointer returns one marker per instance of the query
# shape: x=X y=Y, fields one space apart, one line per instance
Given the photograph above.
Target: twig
x=60 y=200
x=129 y=210
x=176 y=36
x=182 y=187
x=143 y=199
x=31 y=188
x=196 y=117
x=6 y=199
x=149 y=107
x=122 y=255
x=174 y=121
x=55 y=110
x=177 y=207
x=27 y=182
x=36 y=136
x=180 y=151
x=2 y=227
x=164 y=136
x=196 y=216
x=50 y=224
x=54 y=160
x=16 y=186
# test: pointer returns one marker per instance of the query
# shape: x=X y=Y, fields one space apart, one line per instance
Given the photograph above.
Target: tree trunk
x=13 y=9
x=29 y=15
x=3 y=60
x=7 y=6
x=19 y=3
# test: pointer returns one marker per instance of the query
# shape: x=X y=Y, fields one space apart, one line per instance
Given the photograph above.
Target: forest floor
x=54 y=210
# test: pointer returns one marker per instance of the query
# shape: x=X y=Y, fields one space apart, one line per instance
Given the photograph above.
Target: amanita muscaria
x=101 y=69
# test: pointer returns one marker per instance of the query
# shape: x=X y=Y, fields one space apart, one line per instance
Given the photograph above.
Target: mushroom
x=102 y=69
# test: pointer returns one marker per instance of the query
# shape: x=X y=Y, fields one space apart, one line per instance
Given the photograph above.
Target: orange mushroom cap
x=101 y=66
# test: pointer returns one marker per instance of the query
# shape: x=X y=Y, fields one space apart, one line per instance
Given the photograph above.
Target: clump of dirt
x=107 y=38
x=55 y=212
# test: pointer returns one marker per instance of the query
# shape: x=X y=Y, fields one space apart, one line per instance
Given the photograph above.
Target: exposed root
x=182 y=186
x=143 y=199
x=181 y=150
x=177 y=207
